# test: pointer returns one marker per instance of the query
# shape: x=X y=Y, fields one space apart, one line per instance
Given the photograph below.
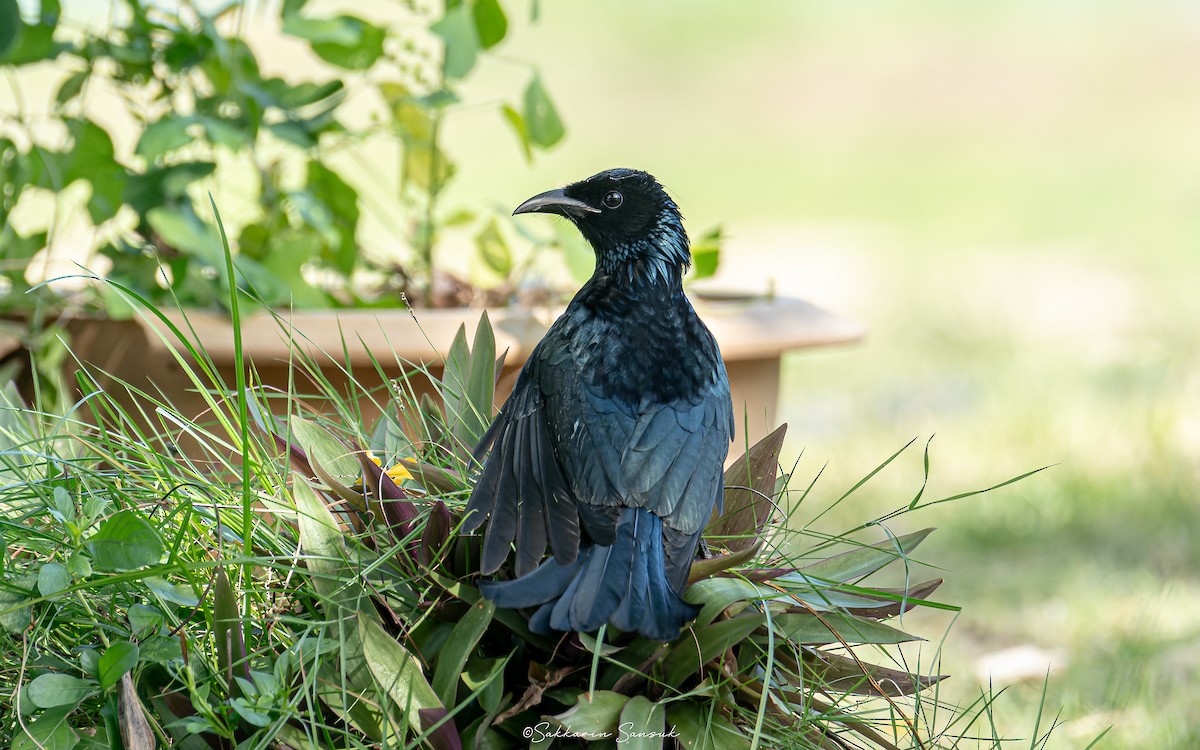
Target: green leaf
x=79 y=566
x=143 y=618
x=125 y=542
x=10 y=26
x=72 y=86
x=704 y=728
x=231 y=134
x=50 y=731
x=687 y=656
x=50 y=690
x=162 y=185
x=164 y=136
x=181 y=229
x=250 y=714
x=643 y=724
x=326 y=451
x=485 y=673
x=594 y=716
x=491 y=25
x=116 y=660
x=92 y=159
x=715 y=594
x=345 y=602
x=863 y=561
x=807 y=628
x=175 y=593
x=541 y=118
x=398 y=672
x=53 y=578
x=345 y=41
x=517 y=123
x=323 y=30
x=13 y=616
x=33 y=44
x=284 y=257
x=227 y=627
x=452 y=658
x=341 y=203
x=706 y=254
x=493 y=250
x=459 y=41
x=468 y=383
x=64 y=507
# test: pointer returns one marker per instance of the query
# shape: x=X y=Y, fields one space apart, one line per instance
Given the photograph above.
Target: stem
x=435 y=187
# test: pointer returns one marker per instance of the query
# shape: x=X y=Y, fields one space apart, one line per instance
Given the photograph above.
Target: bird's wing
x=523 y=487
x=665 y=457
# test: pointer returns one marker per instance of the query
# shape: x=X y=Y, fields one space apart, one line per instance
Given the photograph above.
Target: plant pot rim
x=746 y=326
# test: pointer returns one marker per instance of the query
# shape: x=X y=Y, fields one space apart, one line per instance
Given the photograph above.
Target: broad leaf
x=643 y=724
x=865 y=560
x=452 y=658
x=125 y=542
x=346 y=604
x=116 y=660
x=841 y=673
x=326 y=453
x=459 y=41
x=227 y=628
x=53 y=578
x=11 y=26
x=398 y=673
x=715 y=594
x=541 y=118
x=164 y=136
x=177 y=593
x=491 y=25
x=706 y=254
x=594 y=715
x=493 y=249
x=704 y=727
x=749 y=491
x=50 y=690
x=836 y=627
x=688 y=655
x=517 y=123
x=50 y=731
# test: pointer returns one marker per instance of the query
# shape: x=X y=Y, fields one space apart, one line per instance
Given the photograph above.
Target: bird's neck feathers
x=659 y=259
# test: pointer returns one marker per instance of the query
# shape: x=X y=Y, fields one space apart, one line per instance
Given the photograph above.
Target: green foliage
x=203 y=109
x=279 y=587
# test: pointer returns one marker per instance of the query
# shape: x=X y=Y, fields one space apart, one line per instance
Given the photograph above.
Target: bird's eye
x=612 y=199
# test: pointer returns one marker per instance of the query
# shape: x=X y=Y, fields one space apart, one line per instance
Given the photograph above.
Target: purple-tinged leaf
x=889 y=607
x=435 y=534
x=445 y=737
x=749 y=490
x=227 y=627
x=843 y=674
x=712 y=566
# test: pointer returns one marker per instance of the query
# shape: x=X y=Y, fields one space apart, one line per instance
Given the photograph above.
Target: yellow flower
x=398 y=473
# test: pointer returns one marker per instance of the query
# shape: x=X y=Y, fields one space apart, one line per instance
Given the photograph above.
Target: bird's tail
x=624 y=585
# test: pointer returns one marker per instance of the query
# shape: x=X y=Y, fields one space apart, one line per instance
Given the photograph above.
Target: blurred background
x=1006 y=193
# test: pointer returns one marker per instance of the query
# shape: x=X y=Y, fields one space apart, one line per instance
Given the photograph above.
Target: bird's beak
x=555 y=202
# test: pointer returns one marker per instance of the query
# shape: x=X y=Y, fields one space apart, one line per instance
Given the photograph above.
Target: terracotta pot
x=753 y=334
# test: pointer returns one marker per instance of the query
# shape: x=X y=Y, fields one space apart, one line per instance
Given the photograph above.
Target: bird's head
x=627 y=217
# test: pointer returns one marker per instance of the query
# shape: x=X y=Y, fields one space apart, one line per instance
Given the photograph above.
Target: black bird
x=610 y=449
